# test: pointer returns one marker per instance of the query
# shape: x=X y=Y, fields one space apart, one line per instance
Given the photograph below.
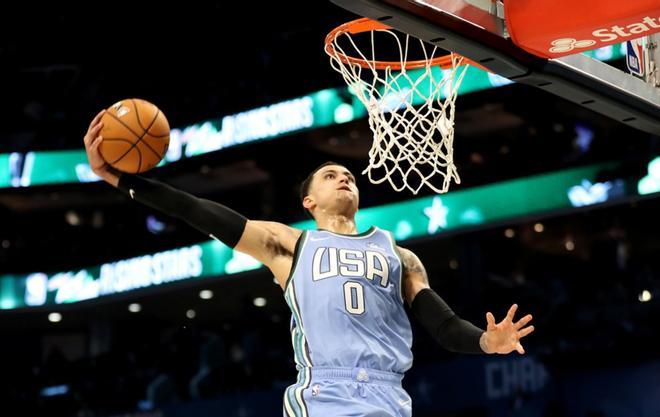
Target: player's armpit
x=268 y=241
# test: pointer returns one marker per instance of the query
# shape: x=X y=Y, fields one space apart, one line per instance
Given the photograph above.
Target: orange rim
x=368 y=25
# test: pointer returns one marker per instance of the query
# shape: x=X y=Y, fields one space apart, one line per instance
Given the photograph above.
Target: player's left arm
x=447 y=328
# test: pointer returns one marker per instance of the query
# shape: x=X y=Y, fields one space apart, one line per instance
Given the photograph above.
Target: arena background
x=580 y=253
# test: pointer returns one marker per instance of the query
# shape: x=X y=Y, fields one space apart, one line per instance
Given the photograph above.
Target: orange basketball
x=135 y=135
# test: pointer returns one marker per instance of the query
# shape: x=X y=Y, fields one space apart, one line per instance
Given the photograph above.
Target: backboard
x=476 y=29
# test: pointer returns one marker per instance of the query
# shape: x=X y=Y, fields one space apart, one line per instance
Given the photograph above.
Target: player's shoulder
x=403 y=251
x=408 y=257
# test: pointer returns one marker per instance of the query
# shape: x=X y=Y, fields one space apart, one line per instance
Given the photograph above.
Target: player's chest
x=372 y=263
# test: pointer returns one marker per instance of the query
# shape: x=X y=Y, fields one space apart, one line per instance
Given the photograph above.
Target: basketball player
x=346 y=291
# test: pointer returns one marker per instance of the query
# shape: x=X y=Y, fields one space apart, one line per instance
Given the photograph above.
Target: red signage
x=555 y=28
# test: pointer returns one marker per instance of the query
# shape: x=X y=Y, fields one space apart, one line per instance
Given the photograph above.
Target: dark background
x=62 y=63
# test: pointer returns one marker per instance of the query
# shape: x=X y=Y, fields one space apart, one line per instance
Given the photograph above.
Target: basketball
x=136 y=135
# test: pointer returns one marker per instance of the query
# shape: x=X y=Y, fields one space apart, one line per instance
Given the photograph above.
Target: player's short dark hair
x=304 y=187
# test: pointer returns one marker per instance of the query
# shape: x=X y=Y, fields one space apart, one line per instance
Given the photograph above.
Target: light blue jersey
x=351 y=335
x=346 y=299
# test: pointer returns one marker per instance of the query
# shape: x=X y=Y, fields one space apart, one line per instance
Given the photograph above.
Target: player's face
x=333 y=189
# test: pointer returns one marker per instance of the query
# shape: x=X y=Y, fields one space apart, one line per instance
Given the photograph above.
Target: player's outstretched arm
x=268 y=242
x=449 y=330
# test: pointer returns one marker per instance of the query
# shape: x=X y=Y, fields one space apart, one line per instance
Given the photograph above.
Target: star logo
x=437 y=215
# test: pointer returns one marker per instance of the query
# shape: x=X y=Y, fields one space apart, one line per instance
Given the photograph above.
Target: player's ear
x=309 y=203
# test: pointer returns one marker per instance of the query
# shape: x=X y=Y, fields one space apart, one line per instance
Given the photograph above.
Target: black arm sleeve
x=449 y=330
x=213 y=219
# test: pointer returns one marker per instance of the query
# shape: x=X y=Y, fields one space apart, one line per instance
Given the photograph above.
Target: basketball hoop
x=410 y=104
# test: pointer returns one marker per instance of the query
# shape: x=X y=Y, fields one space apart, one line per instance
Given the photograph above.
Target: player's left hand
x=504 y=337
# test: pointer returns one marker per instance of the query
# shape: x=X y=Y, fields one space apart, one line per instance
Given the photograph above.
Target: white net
x=411 y=112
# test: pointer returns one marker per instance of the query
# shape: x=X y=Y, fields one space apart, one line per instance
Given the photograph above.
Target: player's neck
x=338 y=224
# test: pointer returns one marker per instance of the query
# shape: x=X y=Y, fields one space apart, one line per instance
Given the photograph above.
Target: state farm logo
x=634 y=30
x=559 y=46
